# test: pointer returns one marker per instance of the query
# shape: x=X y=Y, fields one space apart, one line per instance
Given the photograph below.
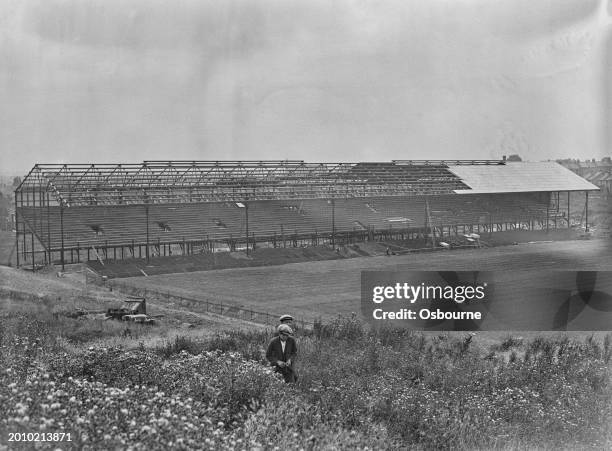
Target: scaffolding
x=53 y=197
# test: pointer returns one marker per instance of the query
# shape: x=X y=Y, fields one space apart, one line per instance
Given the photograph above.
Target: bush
x=178 y=345
x=360 y=389
x=509 y=343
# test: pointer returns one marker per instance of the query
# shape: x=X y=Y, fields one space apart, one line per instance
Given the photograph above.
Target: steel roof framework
x=48 y=186
x=166 y=181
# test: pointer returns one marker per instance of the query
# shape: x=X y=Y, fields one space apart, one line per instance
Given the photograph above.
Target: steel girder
x=201 y=181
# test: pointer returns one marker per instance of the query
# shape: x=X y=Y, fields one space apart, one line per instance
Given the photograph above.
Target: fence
x=217 y=308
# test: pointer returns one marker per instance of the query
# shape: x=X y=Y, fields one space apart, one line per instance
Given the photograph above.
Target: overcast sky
x=127 y=80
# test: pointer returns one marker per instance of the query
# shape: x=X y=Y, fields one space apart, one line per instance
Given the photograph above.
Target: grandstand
x=73 y=213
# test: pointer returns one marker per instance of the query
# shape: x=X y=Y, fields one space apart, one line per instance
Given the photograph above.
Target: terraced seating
x=474 y=209
x=87 y=226
x=268 y=218
x=372 y=213
x=197 y=221
x=445 y=211
x=100 y=226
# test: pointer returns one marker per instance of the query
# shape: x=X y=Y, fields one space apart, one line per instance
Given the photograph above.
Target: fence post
x=255 y=316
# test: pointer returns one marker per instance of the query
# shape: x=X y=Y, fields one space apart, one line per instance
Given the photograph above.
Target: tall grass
x=442 y=392
x=357 y=388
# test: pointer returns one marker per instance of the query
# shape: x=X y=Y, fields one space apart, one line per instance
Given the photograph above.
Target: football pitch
x=324 y=289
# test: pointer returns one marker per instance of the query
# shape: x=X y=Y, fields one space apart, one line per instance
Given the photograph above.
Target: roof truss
x=162 y=181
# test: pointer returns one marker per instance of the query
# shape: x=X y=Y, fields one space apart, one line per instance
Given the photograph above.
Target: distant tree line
x=6 y=202
x=605 y=161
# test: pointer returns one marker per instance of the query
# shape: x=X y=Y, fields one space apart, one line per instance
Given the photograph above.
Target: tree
x=514 y=157
x=16 y=181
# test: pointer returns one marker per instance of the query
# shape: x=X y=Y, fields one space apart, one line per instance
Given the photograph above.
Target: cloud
x=110 y=80
x=142 y=25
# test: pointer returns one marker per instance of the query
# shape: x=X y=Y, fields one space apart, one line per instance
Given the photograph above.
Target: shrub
x=179 y=344
x=509 y=343
x=360 y=389
x=343 y=328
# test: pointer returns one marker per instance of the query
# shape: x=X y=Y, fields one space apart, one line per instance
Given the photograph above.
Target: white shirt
x=283 y=343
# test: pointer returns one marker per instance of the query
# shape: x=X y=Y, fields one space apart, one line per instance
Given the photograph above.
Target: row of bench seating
x=120 y=225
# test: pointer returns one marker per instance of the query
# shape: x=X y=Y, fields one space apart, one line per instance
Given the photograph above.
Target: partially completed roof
x=218 y=181
x=215 y=181
x=519 y=177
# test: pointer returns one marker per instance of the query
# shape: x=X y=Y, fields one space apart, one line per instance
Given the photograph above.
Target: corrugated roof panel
x=519 y=177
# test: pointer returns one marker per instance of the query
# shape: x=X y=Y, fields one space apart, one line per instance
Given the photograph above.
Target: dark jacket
x=275 y=353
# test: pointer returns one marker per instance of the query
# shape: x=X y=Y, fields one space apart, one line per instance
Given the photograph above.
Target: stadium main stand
x=158 y=208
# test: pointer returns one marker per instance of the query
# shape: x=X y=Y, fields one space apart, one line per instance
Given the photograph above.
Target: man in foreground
x=282 y=351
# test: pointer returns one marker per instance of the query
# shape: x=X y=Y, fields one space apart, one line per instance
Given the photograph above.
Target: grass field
x=358 y=389
x=209 y=387
x=199 y=381
x=52 y=300
x=327 y=288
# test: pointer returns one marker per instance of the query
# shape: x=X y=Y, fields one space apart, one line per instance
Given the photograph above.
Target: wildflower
x=21 y=408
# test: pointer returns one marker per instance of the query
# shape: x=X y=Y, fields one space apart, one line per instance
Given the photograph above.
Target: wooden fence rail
x=229 y=310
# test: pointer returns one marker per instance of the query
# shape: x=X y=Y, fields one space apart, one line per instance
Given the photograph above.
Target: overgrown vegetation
x=381 y=389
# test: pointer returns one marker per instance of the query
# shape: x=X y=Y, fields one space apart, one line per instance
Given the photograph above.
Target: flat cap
x=286 y=318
